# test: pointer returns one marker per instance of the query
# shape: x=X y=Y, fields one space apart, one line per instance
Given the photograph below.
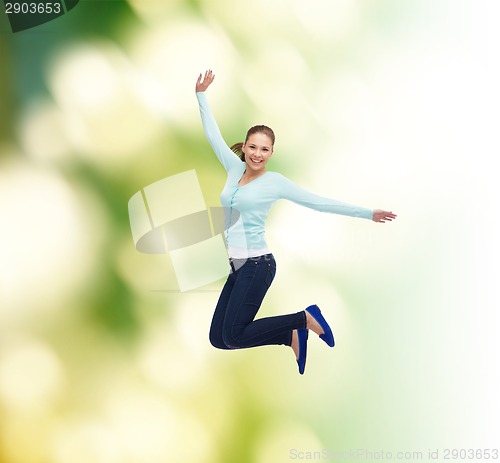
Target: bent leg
x=240 y=330
x=215 y=334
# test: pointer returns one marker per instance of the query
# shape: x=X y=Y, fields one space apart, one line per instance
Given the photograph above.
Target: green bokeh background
x=387 y=104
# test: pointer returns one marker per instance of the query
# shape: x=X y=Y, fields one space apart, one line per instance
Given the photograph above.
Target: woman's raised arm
x=227 y=158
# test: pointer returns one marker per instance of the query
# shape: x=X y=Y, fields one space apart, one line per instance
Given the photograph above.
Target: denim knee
x=230 y=341
x=217 y=342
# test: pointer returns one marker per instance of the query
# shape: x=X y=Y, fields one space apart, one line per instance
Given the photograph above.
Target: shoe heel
x=302 y=334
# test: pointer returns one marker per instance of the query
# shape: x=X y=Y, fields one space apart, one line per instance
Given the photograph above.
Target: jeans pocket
x=271 y=272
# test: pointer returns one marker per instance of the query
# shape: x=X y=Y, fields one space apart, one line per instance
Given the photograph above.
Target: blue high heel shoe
x=327 y=335
x=302 y=334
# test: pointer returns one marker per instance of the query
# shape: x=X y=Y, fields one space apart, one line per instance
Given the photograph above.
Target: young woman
x=249 y=193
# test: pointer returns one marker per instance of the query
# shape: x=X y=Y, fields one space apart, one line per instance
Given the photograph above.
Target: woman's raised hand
x=203 y=83
x=383 y=216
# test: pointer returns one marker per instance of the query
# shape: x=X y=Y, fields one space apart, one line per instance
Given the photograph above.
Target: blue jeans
x=233 y=325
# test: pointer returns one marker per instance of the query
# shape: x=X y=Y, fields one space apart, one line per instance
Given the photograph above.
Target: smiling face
x=258 y=149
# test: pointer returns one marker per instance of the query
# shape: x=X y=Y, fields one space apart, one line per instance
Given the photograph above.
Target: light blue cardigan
x=247 y=206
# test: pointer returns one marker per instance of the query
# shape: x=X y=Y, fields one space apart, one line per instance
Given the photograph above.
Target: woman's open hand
x=203 y=83
x=383 y=216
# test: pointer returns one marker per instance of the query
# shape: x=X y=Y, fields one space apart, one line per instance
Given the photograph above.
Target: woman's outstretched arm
x=292 y=192
x=227 y=158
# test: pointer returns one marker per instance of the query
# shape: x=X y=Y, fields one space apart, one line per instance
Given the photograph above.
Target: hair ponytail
x=238 y=149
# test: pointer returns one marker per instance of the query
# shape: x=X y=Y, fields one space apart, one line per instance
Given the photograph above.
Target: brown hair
x=237 y=147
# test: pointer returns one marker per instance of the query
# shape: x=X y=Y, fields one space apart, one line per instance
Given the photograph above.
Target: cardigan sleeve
x=228 y=158
x=292 y=192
